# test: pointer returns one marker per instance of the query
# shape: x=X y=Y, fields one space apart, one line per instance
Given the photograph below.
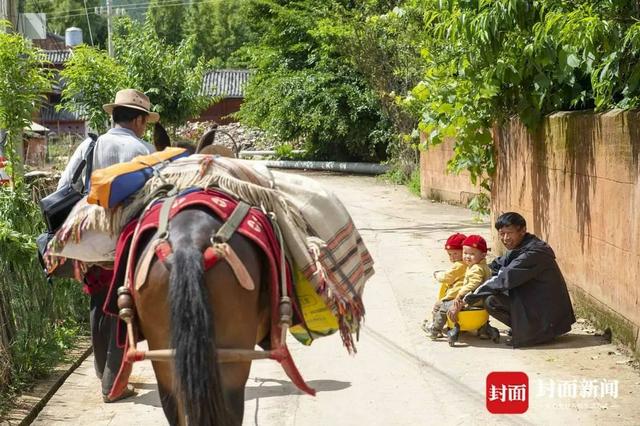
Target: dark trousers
x=107 y=355
x=440 y=314
x=499 y=307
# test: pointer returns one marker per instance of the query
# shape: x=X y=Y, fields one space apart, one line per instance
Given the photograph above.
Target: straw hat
x=135 y=99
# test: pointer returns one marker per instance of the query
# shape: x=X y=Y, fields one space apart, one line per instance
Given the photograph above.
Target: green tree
x=23 y=81
x=306 y=88
x=170 y=75
x=92 y=78
x=167 y=21
x=382 y=41
x=219 y=28
x=488 y=60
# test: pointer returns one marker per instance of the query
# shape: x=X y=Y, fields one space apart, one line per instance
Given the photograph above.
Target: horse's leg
x=152 y=309
x=236 y=319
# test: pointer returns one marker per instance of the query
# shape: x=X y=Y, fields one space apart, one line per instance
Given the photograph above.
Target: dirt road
x=398 y=377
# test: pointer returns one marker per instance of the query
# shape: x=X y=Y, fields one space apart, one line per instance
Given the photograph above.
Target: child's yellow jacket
x=473 y=277
x=454 y=277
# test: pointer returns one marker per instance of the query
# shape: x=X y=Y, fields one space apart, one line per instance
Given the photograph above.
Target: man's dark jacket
x=540 y=304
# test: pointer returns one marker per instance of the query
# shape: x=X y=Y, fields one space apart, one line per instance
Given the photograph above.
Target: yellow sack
x=113 y=184
x=319 y=319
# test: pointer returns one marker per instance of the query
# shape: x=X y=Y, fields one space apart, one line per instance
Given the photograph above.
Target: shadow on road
x=287 y=388
x=572 y=341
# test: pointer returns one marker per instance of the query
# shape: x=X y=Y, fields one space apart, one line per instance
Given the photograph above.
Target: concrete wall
x=436 y=183
x=576 y=181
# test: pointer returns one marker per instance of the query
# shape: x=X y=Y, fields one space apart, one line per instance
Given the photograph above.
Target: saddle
x=238 y=217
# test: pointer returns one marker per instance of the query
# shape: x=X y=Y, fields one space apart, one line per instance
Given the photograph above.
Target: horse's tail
x=192 y=335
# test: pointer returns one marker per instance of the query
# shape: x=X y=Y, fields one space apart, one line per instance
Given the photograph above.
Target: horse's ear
x=207 y=139
x=161 y=138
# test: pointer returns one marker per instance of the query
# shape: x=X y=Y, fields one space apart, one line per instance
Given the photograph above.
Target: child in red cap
x=474 y=253
x=451 y=278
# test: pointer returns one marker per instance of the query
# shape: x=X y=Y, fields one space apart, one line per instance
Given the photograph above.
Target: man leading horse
x=131 y=112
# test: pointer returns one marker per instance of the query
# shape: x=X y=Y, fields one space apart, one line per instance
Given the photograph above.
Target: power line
x=132 y=6
x=86 y=12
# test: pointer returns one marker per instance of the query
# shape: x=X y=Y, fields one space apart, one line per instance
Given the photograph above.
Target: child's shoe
x=453 y=334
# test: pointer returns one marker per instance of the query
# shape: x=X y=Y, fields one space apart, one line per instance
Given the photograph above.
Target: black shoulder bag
x=56 y=207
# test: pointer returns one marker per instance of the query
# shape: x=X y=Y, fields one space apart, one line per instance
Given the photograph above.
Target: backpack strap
x=89 y=162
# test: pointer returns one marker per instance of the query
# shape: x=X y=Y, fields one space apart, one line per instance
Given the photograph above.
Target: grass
x=404 y=176
x=40 y=321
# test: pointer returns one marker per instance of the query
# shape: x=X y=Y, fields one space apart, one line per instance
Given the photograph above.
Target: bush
x=42 y=320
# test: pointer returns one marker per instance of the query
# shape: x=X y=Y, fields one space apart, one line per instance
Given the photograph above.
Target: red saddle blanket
x=255 y=226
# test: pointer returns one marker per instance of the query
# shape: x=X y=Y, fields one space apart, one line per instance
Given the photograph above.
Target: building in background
x=230 y=86
x=57 y=50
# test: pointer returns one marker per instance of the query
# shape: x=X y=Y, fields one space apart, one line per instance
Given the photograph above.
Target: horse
x=197 y=312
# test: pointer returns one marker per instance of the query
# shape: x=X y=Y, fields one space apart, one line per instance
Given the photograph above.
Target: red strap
x=163 y=250
x=210 y=258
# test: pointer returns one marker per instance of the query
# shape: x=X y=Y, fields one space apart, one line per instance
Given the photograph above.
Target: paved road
x=398 y=376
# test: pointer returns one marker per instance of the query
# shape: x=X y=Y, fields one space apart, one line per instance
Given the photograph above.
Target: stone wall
x=576 y=181
x=436 y=183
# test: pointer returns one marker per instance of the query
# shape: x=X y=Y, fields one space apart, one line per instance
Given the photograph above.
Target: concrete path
x=398 y=376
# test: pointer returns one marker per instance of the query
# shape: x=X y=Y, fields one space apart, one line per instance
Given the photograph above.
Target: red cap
x=454 y=242
x=476 y=241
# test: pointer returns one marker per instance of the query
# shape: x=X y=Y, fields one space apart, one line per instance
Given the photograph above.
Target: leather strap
x=89 y=162
x=229 y=227
x=163 y=220
x=243 y=276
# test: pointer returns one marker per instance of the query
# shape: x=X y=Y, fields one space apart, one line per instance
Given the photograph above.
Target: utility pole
x=109 y=14
x=109 y=29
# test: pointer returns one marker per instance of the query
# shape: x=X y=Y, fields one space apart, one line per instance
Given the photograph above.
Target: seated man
x=527 y=291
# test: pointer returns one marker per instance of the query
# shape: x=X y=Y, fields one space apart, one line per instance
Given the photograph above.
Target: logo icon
x=507 y=392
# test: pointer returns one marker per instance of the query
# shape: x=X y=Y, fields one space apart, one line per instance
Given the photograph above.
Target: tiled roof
x=48 y=114
x=57 y=57
x=226 y=83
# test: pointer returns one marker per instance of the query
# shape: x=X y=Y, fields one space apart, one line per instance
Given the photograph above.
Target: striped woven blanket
x=319 y=234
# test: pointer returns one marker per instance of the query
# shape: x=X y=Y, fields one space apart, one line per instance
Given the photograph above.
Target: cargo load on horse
x=199 y=223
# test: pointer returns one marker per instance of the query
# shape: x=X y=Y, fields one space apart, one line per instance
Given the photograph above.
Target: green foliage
x=414 y=183
x=170 y=76
x=334 y=115
x=167 y=22
x=218 y=29
x=22 y=84
x=489 y=60
x=305 y=88
x=92 y=80
x=42 y=320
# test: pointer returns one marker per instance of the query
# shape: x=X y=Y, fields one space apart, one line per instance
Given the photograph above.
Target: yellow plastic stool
x=470 y=318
